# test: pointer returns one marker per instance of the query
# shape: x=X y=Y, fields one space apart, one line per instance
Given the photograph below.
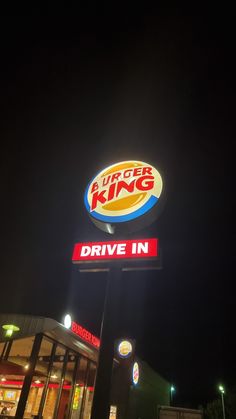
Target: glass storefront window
x=79 y=388
x=34 y=397
x=89 y=391
x=20 y=351
x=39 y=380
x=44 y=357
x=12 y=374
x=67 y=387
x=54 y=383
x=1 y=348
x=62 y=384
x=10 y=391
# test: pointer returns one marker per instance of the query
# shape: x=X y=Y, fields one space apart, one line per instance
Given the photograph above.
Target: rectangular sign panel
x=122 y=249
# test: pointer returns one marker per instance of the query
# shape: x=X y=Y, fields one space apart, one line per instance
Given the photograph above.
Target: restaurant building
x=48 y=371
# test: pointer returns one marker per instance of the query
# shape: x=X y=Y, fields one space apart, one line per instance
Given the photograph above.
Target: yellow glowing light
x=125 y=348
x=76 y=399
x=10 y=328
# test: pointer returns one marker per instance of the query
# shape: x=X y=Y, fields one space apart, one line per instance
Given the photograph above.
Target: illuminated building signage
x=123 y=193
x=135 y=373
x=125 y=249
x=85 y=334
x=81 y=331
x=9 y=395
x=76 y=398
x=125 y=349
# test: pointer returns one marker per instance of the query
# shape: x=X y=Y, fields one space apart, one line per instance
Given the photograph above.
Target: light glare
x=67 y=321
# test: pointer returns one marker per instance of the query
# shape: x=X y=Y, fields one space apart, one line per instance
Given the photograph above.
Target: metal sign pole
x=111 y=313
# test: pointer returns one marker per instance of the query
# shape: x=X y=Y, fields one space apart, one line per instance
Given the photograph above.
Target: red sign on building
x=122 y=249
x=85 y=334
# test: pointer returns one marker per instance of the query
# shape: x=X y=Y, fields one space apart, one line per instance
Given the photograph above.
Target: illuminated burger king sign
x=125 y=194
x=125 y=349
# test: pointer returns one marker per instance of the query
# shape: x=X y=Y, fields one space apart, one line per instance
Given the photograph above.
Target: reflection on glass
x=1 y=348
x=20 y=351
x=39 y=379
x=10 y=390
x=12 y=374
x=79 y=388
x=34 y=397
x=89 y=391
x=44 y=357
x=64 y=405
x=54 y=384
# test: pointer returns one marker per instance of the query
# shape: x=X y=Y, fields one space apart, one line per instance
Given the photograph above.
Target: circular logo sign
x=135 y=373
x=123 y=193
x=125 y=349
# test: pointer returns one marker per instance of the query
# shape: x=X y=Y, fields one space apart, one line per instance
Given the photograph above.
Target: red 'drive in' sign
x=122 y=249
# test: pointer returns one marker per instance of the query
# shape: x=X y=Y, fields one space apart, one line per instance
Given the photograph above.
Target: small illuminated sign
x=121 y=249
x=125 y=349
x=135 y=373
x=9 y=395
x=113 y=412
x=122 y=193
x=76 y=398
x=85 y=334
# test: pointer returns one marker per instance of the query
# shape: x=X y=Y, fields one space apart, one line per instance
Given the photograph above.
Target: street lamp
x=172 y=390
x=222 y=392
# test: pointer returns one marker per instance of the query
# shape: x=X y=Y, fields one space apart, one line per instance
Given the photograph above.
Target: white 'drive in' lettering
x=102 y=250
x=138 y=248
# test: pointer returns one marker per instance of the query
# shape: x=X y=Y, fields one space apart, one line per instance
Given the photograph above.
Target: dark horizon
x=77 y=97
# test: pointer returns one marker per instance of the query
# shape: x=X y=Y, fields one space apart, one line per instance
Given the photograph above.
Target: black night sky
x=79 y=93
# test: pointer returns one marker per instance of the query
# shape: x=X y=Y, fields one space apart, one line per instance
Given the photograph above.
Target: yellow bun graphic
x=128 y=201
x=125 y=203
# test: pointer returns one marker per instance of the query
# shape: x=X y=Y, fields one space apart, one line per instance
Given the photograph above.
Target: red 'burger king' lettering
x=85 y=334
x=98 y=197
x=143 y=183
